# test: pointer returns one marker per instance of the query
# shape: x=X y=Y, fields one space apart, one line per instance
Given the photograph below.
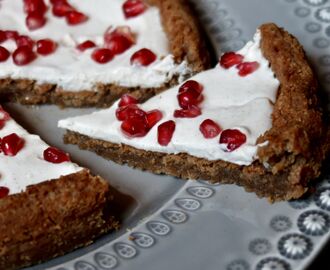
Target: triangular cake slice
x=89 y=53
x=254 y=120
x=48 y=205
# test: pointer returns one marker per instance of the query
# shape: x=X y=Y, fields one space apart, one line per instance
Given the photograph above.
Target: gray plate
x=172 y=224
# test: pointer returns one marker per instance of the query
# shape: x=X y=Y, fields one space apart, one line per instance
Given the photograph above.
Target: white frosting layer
x=232 y=101
x=73 y=70
x=28 y=167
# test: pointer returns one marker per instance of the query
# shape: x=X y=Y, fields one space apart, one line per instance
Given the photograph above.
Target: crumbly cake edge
x=54 y=217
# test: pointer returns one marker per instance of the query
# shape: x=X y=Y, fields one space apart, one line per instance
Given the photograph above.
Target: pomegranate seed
x=25 y=41
x=153 y=117
x=143 y=57
x=102 y=56
x=34 y=6
x=192 y=112
x=3 y=36
x=209 y=129
x=35 y=21
x=11 y=34
x=119 y=40
x=247 y=68
x=129 y=111
x=4 y=191
x=23 y=56
x=46 y=46
x=4 y=116
x=233 y=138
x=54 y=155
x=191 y=84
x=189 y=98
x=58 y=1
x=4 y=54
x=127 y=99
x=133 y=8
x=118 y=44
x=61 y=8
x=75 y=17
x=165 y=132
x=230 y=59
x=11 y=144
x=86 y=45
x=134 y=127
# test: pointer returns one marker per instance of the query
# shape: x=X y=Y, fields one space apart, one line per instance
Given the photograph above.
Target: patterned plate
x=172 y=224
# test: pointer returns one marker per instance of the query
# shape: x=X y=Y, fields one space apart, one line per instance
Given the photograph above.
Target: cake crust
x=52 y=218
x=297 y=142
x=188 y=44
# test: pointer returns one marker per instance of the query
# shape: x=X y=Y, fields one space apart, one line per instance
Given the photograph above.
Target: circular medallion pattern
x=314 y=223
x=295 y=246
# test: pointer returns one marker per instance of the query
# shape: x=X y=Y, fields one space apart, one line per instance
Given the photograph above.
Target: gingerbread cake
x=254 y=120
x=88 y=53
x=48 y=205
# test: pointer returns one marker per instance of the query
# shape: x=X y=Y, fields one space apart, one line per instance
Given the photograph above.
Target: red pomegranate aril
x=133 y=8
x=4 y=54
x=247 y=68
x=209 y=129
x=4 y=191
x=134 y=127
x=192 y=112
x=118 y=44
x=54 y=155
x=189 y=98
x=129 y=111
x=153 y=117
x=11 y=144
x=233 y=138
x=86 y=45
x=119 y=31
x=23 y=56
x=230 y=59
x=4 y=117
x=102 y=56
x=191 y=84
x=25 y=41
x=53 y=2
x=75 y=17
x=3 y=36
x=11 y=34
x=61 y=8
x=143 y=57
x=165 y=132
x=46 y=46
x=127 y=99
x=119 y=40
x=35 y=21
x=32 y=6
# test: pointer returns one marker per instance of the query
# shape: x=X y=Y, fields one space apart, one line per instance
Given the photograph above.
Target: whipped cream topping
x=73 y=70
x=244 y=103
x=28 y=167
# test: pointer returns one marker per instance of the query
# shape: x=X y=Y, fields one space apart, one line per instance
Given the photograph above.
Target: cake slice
x=88 y=53
x=48 y=205
x=254 y=120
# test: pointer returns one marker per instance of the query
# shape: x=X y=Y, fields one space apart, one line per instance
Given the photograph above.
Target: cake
x=82 y=53
x=254 y=120
x=48 y=205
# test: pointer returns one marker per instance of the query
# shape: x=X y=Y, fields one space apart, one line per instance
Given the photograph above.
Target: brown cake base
x=298 y=141
x=189 y=44
x=52 y=218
